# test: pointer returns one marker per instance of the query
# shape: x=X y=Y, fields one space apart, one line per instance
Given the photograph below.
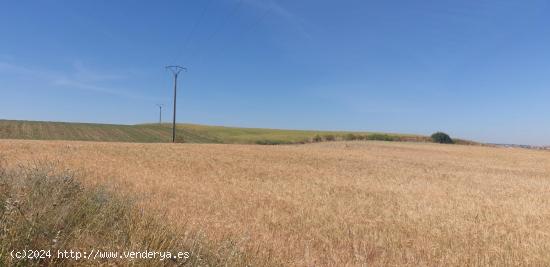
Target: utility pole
x=175 y=71
x=160 y=113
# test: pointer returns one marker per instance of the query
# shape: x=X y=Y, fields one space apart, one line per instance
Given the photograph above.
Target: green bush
x=350 y=137
x=381 y=137
x=272 y=142
x=441 y=138
x=301 y=141
x=317 y=138
x=330 y=137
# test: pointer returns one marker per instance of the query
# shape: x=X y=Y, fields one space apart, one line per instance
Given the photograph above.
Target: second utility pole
x=176 y=71
x=160 y=113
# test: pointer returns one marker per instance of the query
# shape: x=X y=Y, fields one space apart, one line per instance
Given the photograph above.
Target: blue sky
x=477 y=69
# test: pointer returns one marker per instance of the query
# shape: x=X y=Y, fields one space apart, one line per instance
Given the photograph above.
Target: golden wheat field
x=332 y=204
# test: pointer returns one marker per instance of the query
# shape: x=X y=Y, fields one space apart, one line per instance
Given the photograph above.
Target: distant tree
x=442 y=138
x=330 y=137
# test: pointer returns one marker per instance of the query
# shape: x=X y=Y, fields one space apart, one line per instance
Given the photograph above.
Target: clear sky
x=477 y=69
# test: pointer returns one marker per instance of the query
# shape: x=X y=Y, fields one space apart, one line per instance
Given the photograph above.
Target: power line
x=252 y=27
x=223 y=23
x=195 y=25
x=255 y=25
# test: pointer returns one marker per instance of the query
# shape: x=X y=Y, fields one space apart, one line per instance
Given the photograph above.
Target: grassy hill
x=38 y=130
x=191 y=133
x=236 y=135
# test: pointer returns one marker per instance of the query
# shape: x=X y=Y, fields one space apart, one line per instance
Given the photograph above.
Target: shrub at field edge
x=442 y=138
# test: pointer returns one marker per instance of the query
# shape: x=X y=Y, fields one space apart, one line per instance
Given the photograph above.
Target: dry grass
x=47 y=209
x=337 y=203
